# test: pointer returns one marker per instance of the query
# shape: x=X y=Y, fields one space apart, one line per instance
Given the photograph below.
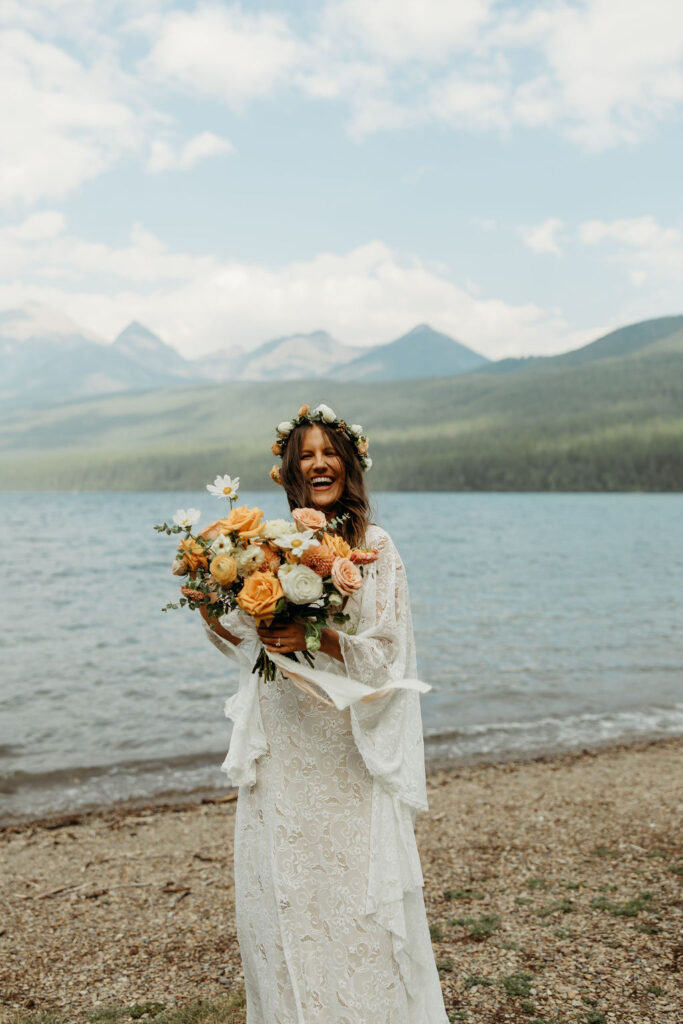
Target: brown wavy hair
x=354 y=499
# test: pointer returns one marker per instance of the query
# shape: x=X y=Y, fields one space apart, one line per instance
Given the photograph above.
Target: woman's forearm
x=330 y=644
x=215 y=625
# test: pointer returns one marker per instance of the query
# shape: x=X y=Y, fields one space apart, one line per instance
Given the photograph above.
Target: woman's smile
x=322 y=469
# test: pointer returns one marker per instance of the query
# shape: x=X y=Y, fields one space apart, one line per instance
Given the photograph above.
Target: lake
x=543 y=621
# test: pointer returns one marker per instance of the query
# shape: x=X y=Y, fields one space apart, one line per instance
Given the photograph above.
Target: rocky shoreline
x=552 y=885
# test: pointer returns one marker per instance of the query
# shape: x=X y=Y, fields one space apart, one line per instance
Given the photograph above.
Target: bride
x=329 y=906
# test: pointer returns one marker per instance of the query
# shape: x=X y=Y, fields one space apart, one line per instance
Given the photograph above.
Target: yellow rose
x=259 y=596
x=337 y=544
x=192 y=553
x=248 y=522
x=223 y=568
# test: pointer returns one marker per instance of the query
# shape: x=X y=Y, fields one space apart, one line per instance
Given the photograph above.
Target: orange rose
x=362 y=447
x=223 y=568
x=304 y=410
x=309 y=518
x=338 y=545
x=364 y=556
x=275 y=475
x=192 y=553
x=275 y=448
x=214 y=530
x=272 y=559
x=259 y=596
x=345 y=576
x=248 y=522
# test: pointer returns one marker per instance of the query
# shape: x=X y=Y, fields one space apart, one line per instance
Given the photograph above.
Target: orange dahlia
x=319 y=558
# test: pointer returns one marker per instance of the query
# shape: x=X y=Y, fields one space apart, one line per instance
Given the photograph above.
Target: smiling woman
x=329 y=906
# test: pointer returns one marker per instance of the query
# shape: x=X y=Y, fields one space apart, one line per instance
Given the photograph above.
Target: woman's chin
x=323 y=501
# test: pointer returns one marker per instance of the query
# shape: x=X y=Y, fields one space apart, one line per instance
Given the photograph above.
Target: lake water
x=544 y=621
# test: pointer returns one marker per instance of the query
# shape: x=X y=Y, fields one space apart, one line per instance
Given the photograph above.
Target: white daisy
x=224 y=487
x=297 y=543
x=187 y=519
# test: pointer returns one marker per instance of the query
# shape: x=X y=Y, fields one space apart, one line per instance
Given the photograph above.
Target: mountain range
x=46 y=358
x=606 y=417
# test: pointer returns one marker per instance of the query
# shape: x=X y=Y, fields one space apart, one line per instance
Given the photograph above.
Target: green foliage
x=630 y=908
x=464 y=894
x=517 y=984
x=477 y=980
x=614 y=423
x=435 y=932
x=478 y=927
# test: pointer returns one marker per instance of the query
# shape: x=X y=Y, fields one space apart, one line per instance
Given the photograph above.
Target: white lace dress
x=330 y=914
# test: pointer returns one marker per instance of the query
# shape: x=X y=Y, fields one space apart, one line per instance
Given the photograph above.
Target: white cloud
x=610 y=69
x=641 y=232
x=61 y=122
x=198 y=303
x=474 y=100
x=646 y=250
x=163 y=156
x=45 y=224
x=400 y=30
x=601 y=72
x=543 y=237
x=222 y=52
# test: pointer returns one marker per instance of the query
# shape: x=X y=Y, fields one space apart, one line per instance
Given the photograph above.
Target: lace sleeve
x=248 y=740
x=242 y=627
x=382 y=647
x=387 y=730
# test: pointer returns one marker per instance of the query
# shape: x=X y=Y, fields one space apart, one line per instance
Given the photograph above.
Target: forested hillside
x=614 y=423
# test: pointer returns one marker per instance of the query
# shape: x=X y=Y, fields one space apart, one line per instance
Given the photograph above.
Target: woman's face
x=322 y=469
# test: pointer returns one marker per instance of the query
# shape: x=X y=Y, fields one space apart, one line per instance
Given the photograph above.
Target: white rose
x=248 y=559
x=356 y=429
x=300 y=584
x=273 y=528
x=285 y=427
x=327 y=414
x=368 y=462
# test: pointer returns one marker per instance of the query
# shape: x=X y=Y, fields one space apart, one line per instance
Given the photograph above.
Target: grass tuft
x=630 y=908
x=517 y=984
x=478 y=927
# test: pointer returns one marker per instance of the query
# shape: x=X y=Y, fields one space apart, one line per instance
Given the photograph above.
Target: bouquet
x=289 y=569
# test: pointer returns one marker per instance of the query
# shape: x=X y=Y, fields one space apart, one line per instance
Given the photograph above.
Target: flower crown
x=321 y=414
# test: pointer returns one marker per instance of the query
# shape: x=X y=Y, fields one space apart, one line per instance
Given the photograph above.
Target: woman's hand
x=283 y=637
x=292 y=637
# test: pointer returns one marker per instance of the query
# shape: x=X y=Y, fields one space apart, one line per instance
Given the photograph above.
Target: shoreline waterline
x=173 y=799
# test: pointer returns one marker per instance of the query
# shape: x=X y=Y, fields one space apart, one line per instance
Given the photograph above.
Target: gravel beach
x=553 y=890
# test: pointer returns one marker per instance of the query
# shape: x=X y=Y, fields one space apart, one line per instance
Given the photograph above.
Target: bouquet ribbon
x=342 y=690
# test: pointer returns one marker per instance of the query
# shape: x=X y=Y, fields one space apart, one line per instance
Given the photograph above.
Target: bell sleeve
x=388 y=729
x=248 y=740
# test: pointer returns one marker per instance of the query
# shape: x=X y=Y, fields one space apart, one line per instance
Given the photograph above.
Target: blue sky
x=507 y=172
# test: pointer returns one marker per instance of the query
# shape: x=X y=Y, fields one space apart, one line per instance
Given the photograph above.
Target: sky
x=509 y=173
